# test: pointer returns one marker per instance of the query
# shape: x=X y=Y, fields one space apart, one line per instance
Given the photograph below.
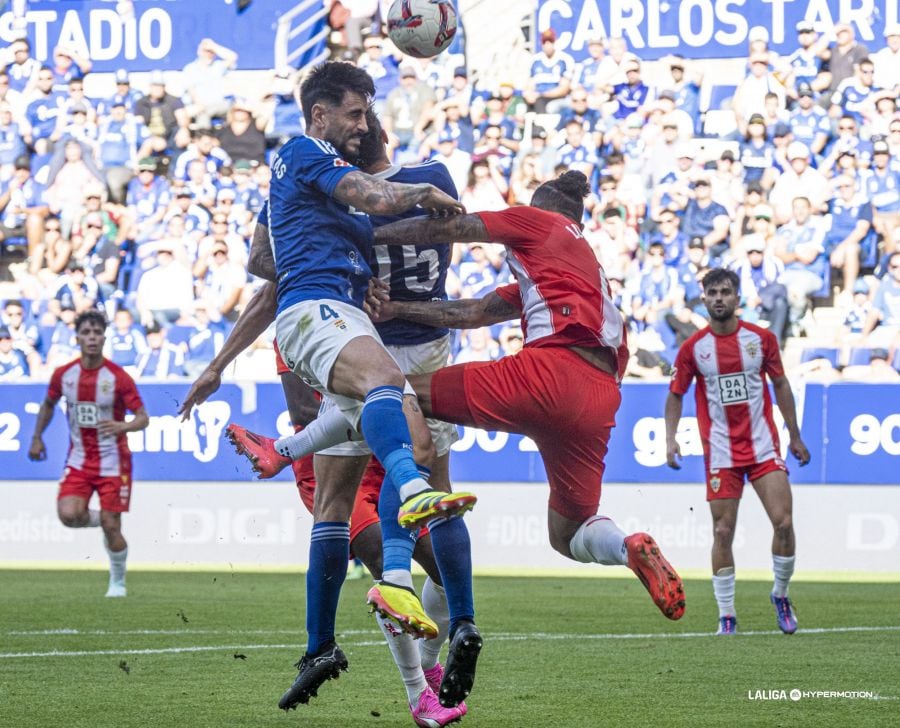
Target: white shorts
x=415 y=359
x=310 y=336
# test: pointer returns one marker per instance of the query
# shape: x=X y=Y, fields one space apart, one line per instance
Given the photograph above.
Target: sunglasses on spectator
x=763 y=217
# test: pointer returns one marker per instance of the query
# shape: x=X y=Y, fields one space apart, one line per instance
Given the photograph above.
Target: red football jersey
x=93 y=396
x=563 y=292
x=734 y=408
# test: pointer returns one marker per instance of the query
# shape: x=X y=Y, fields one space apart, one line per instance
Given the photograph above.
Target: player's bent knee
x=723 y=532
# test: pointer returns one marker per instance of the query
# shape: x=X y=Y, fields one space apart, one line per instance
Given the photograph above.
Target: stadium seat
x=811 y=353
x=859 y=356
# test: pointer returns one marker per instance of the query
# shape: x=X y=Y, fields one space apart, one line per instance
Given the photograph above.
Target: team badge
x=752 y=349
x=338 y=162
x=106 y=387
x=715 y=483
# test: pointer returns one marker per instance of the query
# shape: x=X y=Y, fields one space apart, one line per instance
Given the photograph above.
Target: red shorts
x=365 y=507
x=114 y=491
x=729 y=482
x=552 y=395
x=280 y=366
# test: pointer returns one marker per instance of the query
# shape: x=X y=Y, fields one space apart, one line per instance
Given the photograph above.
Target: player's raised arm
x=254 y=319
x=378 y=197
x=423 y=230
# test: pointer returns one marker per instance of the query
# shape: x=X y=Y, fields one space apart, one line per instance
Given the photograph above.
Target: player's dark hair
x=329 y=81
x=90 y=317
x=371 y=144
x=564 y=195
x=721 y=275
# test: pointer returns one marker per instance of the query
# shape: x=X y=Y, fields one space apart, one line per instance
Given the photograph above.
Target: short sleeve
x=684 y=372
x=127 y=390
x=772 y=365
x=517 y=226
x=263 y=217
x=317 y=164
x=54 y=391
x=511 y=294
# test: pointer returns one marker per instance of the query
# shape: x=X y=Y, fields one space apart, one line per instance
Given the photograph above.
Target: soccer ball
x=421 y=28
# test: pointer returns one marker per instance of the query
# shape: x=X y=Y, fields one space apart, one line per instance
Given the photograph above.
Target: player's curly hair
x=721 y=275
x=329 y=81
x=371 y=144
x=564 y=195
x=92 y=316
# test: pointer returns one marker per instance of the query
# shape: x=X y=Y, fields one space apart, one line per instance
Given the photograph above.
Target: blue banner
x=852 y=431
x=706 y=28
x=164 y=34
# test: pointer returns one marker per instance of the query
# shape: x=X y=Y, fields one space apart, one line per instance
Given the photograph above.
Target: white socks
x=783 y=567
x=117 y=561
x=416 y=485
x=400 y=577
x=328 y=429
x=723 y=588
x=599 y=541
x=406 y=656
x=435 y=603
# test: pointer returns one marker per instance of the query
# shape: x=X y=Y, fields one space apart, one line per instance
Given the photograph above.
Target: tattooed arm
x=261 y=261
x=469 y=313
x=424 y=230
x=378 y=197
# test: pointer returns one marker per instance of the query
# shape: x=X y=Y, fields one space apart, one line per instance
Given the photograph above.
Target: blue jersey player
x=320 y=240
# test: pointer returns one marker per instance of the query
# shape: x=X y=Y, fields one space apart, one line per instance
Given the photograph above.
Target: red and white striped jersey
x=734 y=407
x=93 y=396
x=564 y=294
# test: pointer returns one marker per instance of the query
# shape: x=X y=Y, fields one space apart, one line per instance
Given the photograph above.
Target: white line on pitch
x=497 y=637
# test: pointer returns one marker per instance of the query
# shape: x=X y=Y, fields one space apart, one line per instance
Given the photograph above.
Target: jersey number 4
x=327 y=312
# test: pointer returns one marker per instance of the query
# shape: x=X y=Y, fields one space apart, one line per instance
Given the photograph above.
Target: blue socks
x=453 y=553
x=384 y=427
x=397 y=543
x=329 y=552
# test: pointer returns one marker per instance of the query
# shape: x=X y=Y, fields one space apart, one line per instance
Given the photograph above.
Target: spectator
x=848 y=224
x=855 y=96
x=883 y=323
x=857 y=313
x=799 y=176
x=121 y=137
x=221 y=280
x=581 y=113
x=494 y=116
x=550 y=77
x=11 y=145
x=125 y=342
x=359 y=21
x=22 y=207
x=52 y=253
x=526 y=178
x=808 y=123
x=42 y=113
x=480 y=270
x=750 y=96
x=590 y=75
x=691 y=269
x=763 y=294
x=613 y=242
x=574 y=154
x=384 y=68
x=659 y=291
x=457 y=161
x=204 y=148
x=203 y=343
x=219 y=235
x=23 y=69
x=800 y=246
x=74 y=98
x=726 y=182
x=68 y=64
x=883 y=190
x=165 y=293
x=806 y=66
x=99 y=254
x=631 y=96
x=13 y=366
x=73 y=291
x=511 y=340
x=487 y=186
x=887 y=60
x=165 y=117
x=407 y=111
x=843 y=55
x=65 y=187
x=478 y=346
x=669 y=235
x=162 y=359
x=124 y=95
x=757 y=153
x=147 y=199
x=24 y=333
x=243 y=135
x=704 y=218
x=878 y=369
x=685 y=85
x=204 y=81
x=668 y=159
x=285 y=118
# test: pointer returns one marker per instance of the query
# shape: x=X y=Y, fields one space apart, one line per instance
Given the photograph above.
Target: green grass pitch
x=216 y=649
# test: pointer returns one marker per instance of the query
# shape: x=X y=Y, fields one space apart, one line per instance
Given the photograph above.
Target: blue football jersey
x=414 y=272
x=321 y=246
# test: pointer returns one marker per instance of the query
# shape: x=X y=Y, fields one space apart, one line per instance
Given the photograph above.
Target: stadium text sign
x=705 y=28
x=164 y=35
x=852 y=431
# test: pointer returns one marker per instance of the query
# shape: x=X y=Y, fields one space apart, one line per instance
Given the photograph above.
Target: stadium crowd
x=144 y=203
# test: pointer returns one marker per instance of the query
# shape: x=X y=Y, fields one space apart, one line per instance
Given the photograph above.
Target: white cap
x=892 y=29
x=758 y=32
x=797 y=150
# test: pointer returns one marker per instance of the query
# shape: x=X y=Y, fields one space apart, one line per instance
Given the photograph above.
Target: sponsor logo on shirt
x=732 y=388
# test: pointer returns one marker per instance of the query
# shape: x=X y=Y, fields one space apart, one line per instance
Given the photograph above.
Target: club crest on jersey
x=106 y=387
x=715 y=482
x=752 y=349
x=338 y=162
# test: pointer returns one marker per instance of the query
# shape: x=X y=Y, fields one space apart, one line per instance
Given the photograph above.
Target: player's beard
x=723 y=315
